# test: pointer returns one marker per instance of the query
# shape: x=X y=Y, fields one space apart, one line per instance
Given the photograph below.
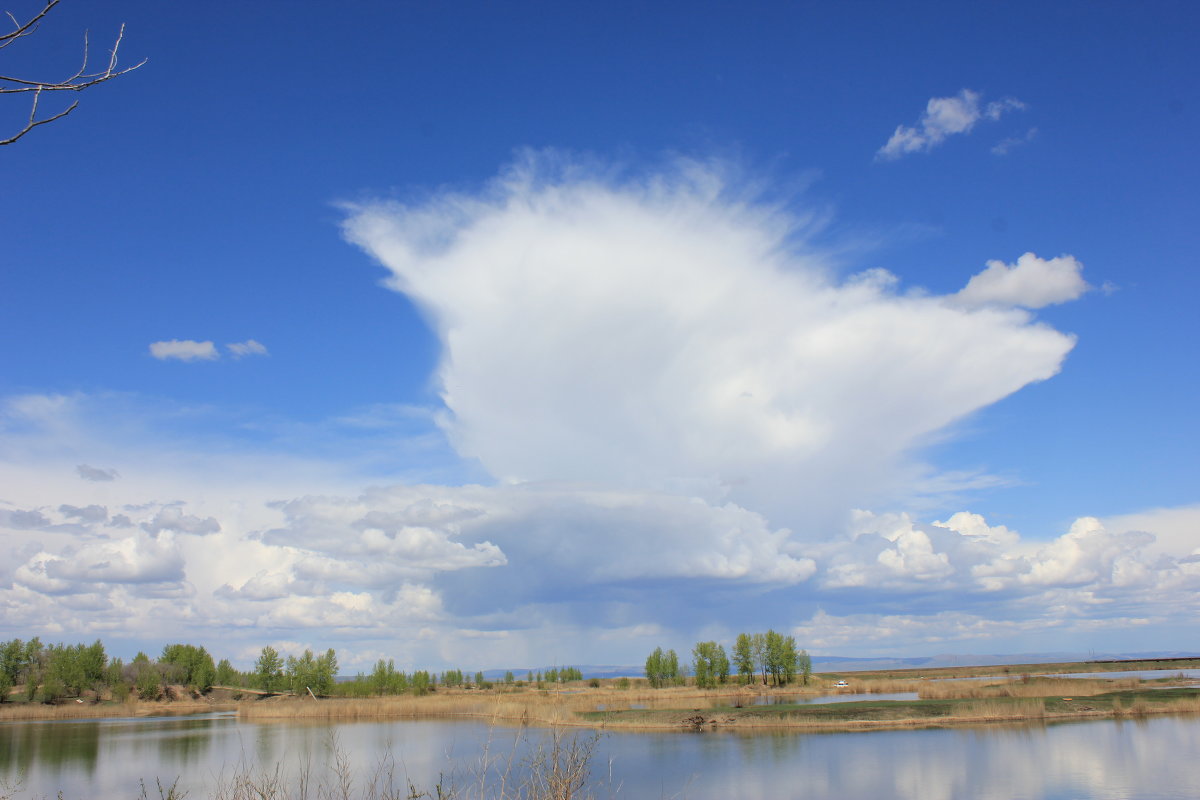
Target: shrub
x=53 y=690
x=594 y=683
x=149 y=684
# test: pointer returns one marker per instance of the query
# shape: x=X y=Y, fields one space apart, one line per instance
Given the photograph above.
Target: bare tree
x=77 y=82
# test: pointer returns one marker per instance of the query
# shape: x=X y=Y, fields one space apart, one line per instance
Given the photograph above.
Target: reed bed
x=1034 y=687
x=879 y=685
x=24 y=712
x=536 y=708
x=1033 y=708
x=28 y=712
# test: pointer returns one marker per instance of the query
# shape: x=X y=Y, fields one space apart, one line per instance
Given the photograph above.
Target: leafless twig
x=77 y=82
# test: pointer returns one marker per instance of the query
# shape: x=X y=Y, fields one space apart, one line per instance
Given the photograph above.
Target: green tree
x=758 y=647
x=422 y=682
x=268 y=670
x=662 y=668
x=326 y=672
x=312 y=673
x=710 y=664
x=189 y=665
x=509 y=678
x=92 y=662
x=226 y=674
x=147 y=679
x=743 y=657
x=114 y=673
x=805 y=666
x=65 y=670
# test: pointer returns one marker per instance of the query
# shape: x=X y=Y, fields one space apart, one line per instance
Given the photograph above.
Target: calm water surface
x=1150 y=760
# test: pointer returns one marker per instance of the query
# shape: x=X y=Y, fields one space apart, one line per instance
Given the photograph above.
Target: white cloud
x=250 y=347
x=1005 y=146
x=184 y=350
x=1032 y=282
x=406 y=569
x=137 y=559
x=943 y=117
x=1176 y=530
x=670 y=332
x=171 y=518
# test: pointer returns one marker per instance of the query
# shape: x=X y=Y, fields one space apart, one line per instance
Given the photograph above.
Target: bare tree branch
x=26 y=29
x=77 y=82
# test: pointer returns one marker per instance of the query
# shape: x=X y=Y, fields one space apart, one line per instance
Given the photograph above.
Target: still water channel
x=1149 y=759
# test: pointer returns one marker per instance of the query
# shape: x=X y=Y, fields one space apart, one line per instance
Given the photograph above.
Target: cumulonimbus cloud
x=666 y=331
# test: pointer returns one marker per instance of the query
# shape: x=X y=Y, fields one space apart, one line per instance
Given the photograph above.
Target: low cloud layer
x=488 y=575
x=945 y=117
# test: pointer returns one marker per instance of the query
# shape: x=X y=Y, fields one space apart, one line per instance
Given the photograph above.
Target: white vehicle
x=841 y=684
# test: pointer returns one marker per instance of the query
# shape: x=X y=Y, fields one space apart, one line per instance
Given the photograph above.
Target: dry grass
x=876 y=685
x=531 y=708
x=1035 y=687
x=26 y=712
x=1034 y=708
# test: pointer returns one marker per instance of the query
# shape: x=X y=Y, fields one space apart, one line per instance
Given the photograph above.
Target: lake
x=1148 y=759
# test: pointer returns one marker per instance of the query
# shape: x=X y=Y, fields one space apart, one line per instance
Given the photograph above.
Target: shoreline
x=936 y=699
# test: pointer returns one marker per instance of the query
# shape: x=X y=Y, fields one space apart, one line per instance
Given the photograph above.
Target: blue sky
x=563 y=331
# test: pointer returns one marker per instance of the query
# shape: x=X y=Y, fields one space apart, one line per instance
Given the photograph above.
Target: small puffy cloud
x=171 y=518
x=943 y=117
x=184 y=350
x=90 y=473
x=974 y=526
x=250 y=347
x=1032 y=282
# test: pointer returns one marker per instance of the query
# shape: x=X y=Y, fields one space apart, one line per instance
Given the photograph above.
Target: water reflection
x=1150 y=758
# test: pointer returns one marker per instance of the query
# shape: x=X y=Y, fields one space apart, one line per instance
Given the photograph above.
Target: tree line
x=385 y=679
x=53 y=672
x=770 y=655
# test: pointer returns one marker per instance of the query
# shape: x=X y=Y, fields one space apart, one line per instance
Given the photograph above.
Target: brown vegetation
x=1034 y=687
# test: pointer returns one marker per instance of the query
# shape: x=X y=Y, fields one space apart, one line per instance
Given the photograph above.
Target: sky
x=485 y=335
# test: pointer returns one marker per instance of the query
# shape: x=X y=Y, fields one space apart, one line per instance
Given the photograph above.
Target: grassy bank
x=1017 y=670
x=906 y=714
